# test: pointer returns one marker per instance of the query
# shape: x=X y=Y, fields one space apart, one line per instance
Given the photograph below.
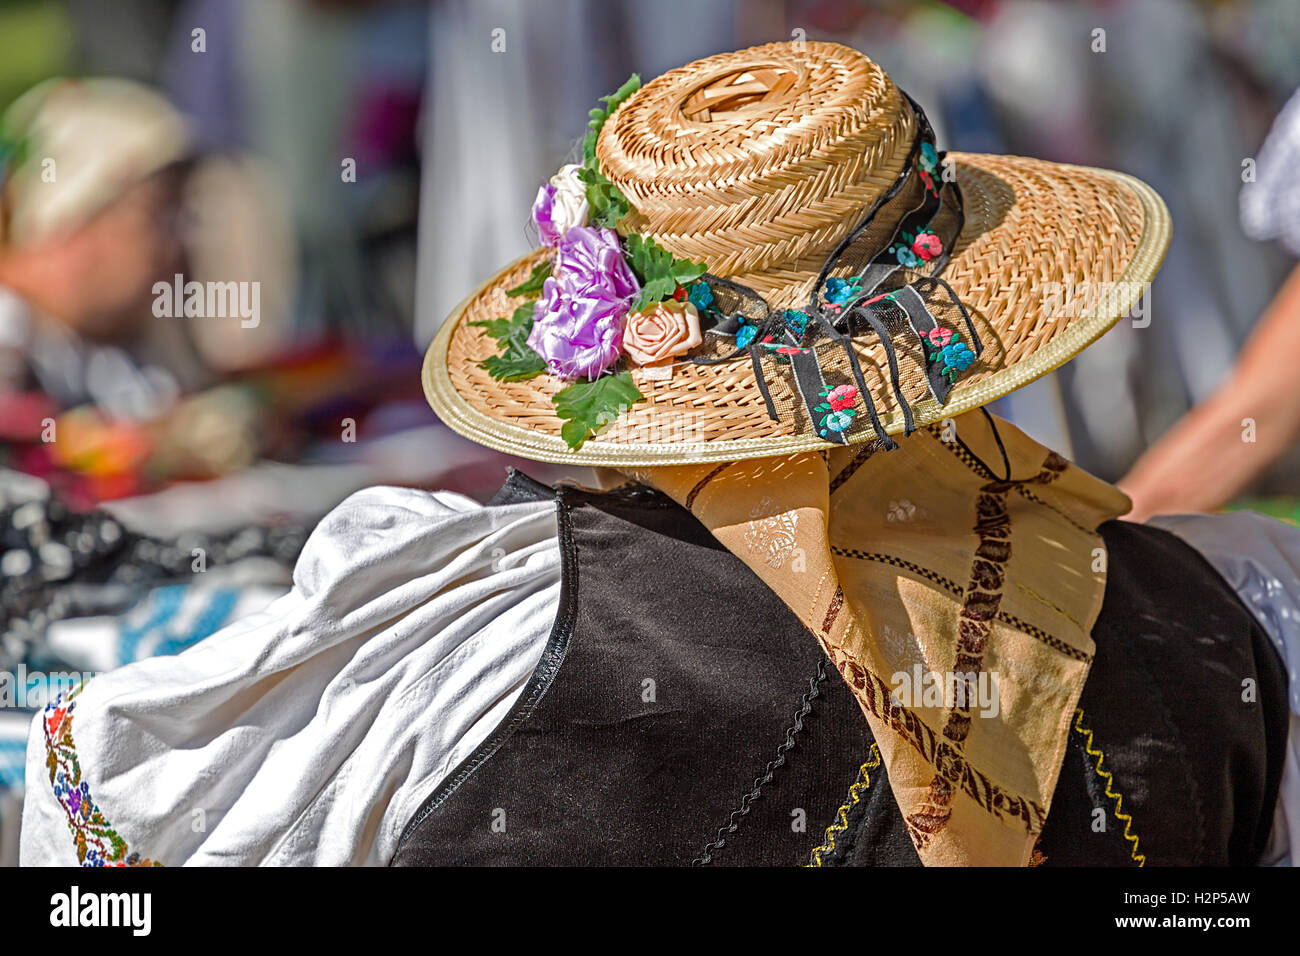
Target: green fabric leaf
x=494 y=328
x=607 y=203
x=658 y=271
x=599 y=116
x=515 y=364
x=686 y=272
x=587 y=407
x=574 y=434
x=533 y=284
x=517 y=360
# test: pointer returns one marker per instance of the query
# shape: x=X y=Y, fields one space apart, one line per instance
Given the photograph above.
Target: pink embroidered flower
x=939 y=336
x=842 y=397
x=665 y=329
x=927 y=245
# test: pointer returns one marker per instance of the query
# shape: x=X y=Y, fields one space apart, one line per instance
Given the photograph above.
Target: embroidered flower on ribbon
x=839 y=408
x=780 y=348
x=842 y=397
x=927 y=245
x=906 y=257
x=560 y=205
x=928 y=158
x=939 y=337
x=701 y=296
x=663 y=330
x=957 y=357
x=927 y=163
x=745 y=334
x=578 y=321
x=796 y=321
x=839 y=291
x=835 y=422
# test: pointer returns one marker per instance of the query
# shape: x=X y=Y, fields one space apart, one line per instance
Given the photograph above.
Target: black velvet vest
x=681 y=713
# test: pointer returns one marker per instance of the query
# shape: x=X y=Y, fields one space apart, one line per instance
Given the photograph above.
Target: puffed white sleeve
x=308 y=733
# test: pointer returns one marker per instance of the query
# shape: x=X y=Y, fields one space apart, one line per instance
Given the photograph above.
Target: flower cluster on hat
x=955 y=354
x=905 y=256
x=578 y=321
x=661 y=331
x=780 y=348
x=561 y=204
x=913 y=250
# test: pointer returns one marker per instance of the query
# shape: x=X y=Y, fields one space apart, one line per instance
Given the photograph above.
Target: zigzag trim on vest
x=1138 y=858
x=855 y=794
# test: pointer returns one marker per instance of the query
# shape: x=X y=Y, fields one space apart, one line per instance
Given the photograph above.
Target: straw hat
x=765 y=165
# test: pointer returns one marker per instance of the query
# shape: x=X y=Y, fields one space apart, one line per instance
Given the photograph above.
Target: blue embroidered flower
x=929 y=157
x=957 y=357
x=744 y=335
x=701 y=295
x=836 y=421
x=796 y=321
x=842 y=290
x=906 y=257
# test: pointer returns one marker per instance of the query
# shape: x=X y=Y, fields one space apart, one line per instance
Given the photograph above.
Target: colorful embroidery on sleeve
x=98 y=844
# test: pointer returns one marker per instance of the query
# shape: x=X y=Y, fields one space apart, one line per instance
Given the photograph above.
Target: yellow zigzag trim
x=1139 y=858
x=855 y=794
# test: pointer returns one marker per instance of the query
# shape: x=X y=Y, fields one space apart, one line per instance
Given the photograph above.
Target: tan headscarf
x=923 y=560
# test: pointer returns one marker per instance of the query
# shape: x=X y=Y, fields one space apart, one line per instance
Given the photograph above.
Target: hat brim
x=1050 y=257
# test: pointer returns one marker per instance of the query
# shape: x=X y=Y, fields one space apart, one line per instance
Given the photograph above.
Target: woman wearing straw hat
x=819 y=615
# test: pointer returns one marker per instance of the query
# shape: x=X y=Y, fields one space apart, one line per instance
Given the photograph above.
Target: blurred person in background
x=104 y=203
x=1225 y=444
x=89 y=220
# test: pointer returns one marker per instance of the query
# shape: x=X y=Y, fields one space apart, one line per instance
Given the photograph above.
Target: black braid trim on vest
x=733 y=820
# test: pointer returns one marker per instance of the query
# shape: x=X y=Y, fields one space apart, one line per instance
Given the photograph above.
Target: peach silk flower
x=665 y=329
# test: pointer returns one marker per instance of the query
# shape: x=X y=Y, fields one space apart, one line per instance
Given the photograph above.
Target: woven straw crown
x=758 y=163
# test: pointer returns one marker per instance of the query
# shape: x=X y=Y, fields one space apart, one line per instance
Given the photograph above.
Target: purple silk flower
x=543 y=215
x=578 y=321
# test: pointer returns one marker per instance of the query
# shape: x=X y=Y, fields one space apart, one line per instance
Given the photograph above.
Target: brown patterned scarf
x=956 y=602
